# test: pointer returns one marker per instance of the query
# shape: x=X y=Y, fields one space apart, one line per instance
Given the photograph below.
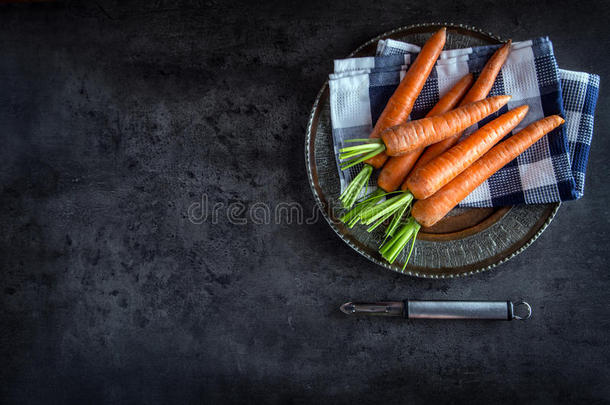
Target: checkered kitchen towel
x=551 y=170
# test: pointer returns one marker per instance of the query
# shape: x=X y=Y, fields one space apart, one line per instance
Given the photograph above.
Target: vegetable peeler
x=437 y=309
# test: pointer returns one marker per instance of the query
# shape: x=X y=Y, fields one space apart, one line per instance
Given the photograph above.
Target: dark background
x=116 y=117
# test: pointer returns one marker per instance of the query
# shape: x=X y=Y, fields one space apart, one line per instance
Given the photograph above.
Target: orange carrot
x=451 y=99
x=488 y=75
x=417 y=134
x=443 y=170
x=429 y=178
x=401 y=103
x=429 y=211
x=395 y=169
x=479 y=91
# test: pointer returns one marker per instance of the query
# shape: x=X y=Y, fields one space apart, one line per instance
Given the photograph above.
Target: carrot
x=413 y=135
x=451 y=99
x=486 y=79
x=429 y=211
x=376 y=214
x=429 y=178
x=395 y=112
x=395 y=169
x=401 y=103
x=479 y=91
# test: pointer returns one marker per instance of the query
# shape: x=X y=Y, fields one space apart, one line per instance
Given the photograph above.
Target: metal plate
x=468 y=241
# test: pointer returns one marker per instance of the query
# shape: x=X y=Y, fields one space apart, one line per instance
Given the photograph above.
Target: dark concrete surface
x=116 y=117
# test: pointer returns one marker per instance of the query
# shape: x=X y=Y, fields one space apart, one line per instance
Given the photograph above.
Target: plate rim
x=312 y=184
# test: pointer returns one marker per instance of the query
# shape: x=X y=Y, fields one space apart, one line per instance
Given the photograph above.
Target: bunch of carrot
x=398 y=167
x=428 y=211
x=447 y=171
x=396 y=112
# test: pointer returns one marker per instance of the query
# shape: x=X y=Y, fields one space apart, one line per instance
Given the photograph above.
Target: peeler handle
x=497 y=310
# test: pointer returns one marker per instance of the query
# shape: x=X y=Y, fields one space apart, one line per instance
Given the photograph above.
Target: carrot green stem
x=351 y=193
x=377 y=194
x=413 y=239
x=392 y=248
x=356 y=150
x=350 y=151
x=353 y=162
x=352 y=217
x=386 y=209
x=376 y=224
x=362 y=140
x=359 y=153
x=396 y=244
x=396 y=221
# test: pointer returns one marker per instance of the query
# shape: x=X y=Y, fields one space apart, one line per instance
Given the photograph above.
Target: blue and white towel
x=552 y=170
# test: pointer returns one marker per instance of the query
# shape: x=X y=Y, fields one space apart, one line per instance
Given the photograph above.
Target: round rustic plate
x=467 y=241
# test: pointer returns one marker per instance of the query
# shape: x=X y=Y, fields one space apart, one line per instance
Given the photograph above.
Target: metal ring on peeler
x=529 y=311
